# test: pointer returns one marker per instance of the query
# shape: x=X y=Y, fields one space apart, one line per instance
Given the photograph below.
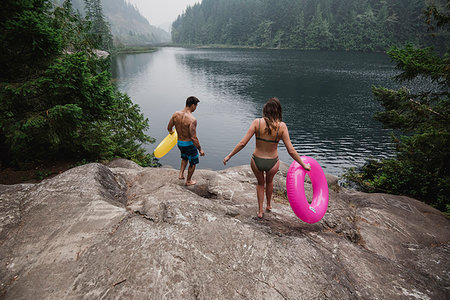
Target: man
x=186 y=124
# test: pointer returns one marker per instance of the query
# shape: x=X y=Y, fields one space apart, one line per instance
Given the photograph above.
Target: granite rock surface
x=125 y=232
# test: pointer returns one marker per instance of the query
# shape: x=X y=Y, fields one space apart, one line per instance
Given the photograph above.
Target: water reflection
x=326 y=97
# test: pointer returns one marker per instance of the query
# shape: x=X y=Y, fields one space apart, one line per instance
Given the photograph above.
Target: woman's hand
x=226 y=159
x=307 y=167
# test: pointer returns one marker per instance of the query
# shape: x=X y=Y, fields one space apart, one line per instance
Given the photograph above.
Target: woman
x=269 y=130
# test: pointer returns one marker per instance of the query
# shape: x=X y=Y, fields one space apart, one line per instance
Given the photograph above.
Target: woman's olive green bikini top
x=258 y=136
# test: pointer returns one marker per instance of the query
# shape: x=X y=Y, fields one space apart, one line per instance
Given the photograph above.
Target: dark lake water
x=327 y=101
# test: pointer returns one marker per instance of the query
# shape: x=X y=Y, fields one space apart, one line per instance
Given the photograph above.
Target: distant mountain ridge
x=128 y=26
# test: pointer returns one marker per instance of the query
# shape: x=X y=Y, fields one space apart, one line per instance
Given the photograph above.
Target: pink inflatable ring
x=295 y=187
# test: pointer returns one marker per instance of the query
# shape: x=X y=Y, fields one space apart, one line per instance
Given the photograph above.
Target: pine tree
x=421 y=166
x=100 y=31
x=318 y=33
x=29 y=41
x=297 y=37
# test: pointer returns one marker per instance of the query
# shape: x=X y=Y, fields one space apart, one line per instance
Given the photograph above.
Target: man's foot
x=192 y=182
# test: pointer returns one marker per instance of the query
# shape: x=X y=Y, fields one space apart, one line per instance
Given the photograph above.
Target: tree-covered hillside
x=368 y=25
x=128 y=26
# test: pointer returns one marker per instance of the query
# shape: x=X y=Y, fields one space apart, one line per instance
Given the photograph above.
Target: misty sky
x=160 y=12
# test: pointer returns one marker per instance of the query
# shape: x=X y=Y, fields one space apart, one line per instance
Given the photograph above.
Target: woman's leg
x=269 y=184
x=259 y=187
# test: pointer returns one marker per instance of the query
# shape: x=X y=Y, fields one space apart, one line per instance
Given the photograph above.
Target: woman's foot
x=180 y=178
x=269 y=208
x=191 y=182
x=260 y=215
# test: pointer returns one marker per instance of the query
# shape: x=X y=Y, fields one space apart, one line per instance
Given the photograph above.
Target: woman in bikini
x=269 y=130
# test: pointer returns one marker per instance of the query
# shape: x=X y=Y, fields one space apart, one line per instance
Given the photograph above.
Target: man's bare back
x=183 y=121
x=186 y=125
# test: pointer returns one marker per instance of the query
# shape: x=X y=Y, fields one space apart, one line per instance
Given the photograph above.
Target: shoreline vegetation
x=37 y=171
x=131 y=49
x=231 y=46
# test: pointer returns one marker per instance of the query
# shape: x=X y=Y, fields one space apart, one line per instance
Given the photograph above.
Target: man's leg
x=189 y=180
x=182 y=168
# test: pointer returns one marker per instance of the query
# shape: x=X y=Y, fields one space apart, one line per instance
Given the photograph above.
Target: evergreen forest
x=57 y=99
x=363 y=25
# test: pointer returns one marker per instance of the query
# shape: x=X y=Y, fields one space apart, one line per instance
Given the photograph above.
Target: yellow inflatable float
x=166 y=144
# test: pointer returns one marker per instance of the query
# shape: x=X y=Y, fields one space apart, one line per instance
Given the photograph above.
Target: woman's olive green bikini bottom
x=264 y=164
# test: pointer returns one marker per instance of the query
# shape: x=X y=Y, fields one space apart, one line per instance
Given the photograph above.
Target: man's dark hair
x=191 y=100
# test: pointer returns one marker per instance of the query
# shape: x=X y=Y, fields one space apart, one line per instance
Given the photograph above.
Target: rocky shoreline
x=122 y=231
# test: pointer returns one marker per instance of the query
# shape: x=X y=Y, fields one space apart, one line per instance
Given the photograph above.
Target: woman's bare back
x=263 y=147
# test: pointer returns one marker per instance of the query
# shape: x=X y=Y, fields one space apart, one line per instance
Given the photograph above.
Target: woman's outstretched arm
x=242 y=143
x=291 y=150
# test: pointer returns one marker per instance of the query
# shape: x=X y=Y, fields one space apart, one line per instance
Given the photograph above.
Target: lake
x=326 y=96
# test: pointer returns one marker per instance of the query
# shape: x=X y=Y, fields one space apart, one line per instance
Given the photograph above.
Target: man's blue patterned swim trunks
x=188 y=152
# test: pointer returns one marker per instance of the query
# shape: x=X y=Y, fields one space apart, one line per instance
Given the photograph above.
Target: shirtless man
x=185 y=124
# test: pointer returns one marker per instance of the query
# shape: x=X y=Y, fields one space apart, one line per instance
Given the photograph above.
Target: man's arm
x=171 y=124
x=193 y=133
